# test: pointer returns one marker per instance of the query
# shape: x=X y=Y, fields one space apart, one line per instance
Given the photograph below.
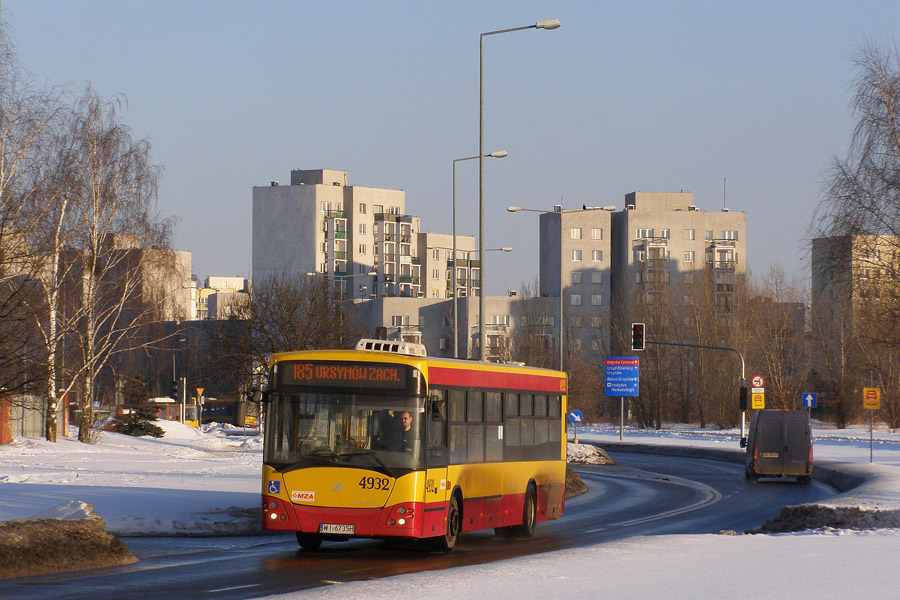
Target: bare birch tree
x=111 y=220
x=29 y=122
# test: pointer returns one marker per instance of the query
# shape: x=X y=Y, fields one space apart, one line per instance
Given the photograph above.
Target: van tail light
x=809 y=462
x=755 y=453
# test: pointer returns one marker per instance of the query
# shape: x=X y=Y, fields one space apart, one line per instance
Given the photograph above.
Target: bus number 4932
x=374 y=483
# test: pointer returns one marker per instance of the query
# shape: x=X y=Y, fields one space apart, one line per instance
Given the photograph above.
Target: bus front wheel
x=309 y=541
x=529 y=514
x=448 y=541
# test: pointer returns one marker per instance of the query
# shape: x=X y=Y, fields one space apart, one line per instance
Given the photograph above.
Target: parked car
x=779 y=445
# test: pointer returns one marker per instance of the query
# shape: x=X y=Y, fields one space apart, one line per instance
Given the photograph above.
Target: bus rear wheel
x=529 y=514
x=448 y=541
x=309 y=541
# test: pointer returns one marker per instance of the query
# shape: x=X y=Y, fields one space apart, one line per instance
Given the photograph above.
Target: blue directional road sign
x=809 y=399
x=622 y=375
x=575 y=417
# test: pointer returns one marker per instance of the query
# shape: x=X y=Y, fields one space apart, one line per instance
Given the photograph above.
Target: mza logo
x=297 y=496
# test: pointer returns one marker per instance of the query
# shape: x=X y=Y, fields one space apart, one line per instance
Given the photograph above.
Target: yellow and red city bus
x=485 y=447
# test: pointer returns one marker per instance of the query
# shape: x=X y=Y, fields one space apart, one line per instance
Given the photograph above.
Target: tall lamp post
x=549 y=25
x=500 y=154
x=561 y=326
x=504 y=249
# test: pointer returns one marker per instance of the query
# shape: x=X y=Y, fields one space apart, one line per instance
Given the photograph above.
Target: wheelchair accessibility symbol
x=274 y=487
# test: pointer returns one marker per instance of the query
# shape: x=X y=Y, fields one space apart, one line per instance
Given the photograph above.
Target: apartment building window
x=500 y=320
x=689 y=256
x=576 y=255
x=638 y=277
x=575 y=299
x=436 y=274
x=576 y=321
x=644 y=233
x=597 y=255
x=362 y=248
x=730 y=234
x=442 y=343
x=708 y=235
x=596 y=233
x=378 y=209
x=375 y=229
x=596 y=345
x=688 y=234
x=362 y=208
x=688 y=278
x=665 y=234
x=326 y=206
x=435 y=254
x=596 y=300
x=576 y=276
x=596 y=322
x=596 y=277
x=362 y=228
x=400 y=320
x=448 y=255
x=576 y=233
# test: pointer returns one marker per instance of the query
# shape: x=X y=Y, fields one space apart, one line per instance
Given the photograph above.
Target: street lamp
x=549 y=25
x=481 y=283
x=520 y=209
x=500 y=154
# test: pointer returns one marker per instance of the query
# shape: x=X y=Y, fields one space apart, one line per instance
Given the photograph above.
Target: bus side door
x=437 y=458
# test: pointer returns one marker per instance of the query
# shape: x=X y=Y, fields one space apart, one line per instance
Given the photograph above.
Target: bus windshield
x=382 y=433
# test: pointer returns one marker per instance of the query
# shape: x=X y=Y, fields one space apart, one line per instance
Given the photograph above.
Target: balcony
x=725 y=265
x=335 y=214
x=340 y=235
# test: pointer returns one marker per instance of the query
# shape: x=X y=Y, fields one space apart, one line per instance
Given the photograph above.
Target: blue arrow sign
x=575 y=417
x=808 y=399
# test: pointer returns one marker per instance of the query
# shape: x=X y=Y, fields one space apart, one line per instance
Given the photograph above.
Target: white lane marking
x=236 y=587
x=710 y=496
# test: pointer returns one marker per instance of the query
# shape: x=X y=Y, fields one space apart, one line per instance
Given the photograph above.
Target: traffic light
x=637 y=336
x=743 y=399
x=173 y=393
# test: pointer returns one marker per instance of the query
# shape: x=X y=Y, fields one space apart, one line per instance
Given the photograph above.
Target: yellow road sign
x=200 y=392
x=872 y=398
x=757 y=401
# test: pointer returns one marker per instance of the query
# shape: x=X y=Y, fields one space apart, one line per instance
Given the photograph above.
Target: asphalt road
x=643 y=495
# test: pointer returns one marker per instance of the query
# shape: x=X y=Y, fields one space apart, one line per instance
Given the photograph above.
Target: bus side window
x=438 y=453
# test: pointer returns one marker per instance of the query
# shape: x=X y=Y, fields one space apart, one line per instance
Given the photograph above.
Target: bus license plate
x=336 y=528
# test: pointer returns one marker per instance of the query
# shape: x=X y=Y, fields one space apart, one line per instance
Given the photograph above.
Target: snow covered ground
x=207 y=482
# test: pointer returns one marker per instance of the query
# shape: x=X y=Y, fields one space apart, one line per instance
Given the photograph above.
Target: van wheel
x=804 y=480
x=447 y=542
x=309 y=541
x=750 y=476
x=529 y=514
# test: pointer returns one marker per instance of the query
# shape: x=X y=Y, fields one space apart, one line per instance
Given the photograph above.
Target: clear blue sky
x=651 y=96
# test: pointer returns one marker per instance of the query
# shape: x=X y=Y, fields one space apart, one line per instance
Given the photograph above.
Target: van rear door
x=796 y=445
x=770 y=441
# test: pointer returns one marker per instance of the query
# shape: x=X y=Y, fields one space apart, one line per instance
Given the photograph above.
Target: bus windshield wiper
x=374 y=455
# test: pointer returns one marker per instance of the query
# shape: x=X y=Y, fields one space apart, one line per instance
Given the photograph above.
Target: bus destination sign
x=336 y=374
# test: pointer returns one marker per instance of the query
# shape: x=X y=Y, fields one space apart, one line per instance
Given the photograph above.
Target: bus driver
x=406 y=438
